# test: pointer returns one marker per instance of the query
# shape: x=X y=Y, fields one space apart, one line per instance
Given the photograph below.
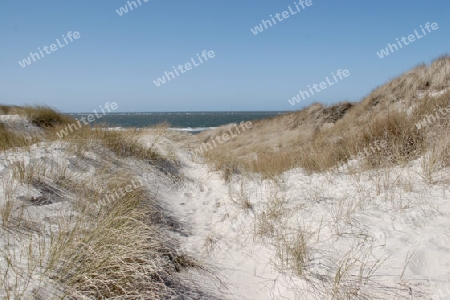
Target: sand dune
x=285 y=210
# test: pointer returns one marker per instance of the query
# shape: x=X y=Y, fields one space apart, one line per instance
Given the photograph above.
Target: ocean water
x=183 y=121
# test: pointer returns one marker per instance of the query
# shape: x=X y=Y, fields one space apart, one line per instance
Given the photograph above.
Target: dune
x=284 y=210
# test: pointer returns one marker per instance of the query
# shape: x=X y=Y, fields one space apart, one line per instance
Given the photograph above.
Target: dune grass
x=10 y=140
x=121 y=143
x=320 y=138
x=94 y=249
x=6 y=109
x=114 y=249
x=44 y=116
x=117 y=252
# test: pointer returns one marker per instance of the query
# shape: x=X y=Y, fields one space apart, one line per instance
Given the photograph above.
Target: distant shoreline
x=193 y=122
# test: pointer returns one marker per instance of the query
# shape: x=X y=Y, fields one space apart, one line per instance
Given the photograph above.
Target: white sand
x=388 y=225
x=377 y=235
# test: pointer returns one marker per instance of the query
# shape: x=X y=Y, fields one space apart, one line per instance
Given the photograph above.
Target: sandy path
x=220 y=234
x=406 y=222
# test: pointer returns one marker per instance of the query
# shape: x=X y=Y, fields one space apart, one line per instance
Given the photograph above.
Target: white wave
x=195 y=129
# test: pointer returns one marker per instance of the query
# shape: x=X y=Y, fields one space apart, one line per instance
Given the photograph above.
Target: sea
x=193 y=122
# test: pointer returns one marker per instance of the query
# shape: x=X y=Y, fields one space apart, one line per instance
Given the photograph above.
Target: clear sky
x=117 y=58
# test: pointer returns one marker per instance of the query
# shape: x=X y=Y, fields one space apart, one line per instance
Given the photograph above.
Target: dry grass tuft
x=7 y=109
x=10 y=140
x=43 y=116
x=119 y=254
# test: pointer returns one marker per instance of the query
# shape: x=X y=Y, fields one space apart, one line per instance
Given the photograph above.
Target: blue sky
x=117 y=58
